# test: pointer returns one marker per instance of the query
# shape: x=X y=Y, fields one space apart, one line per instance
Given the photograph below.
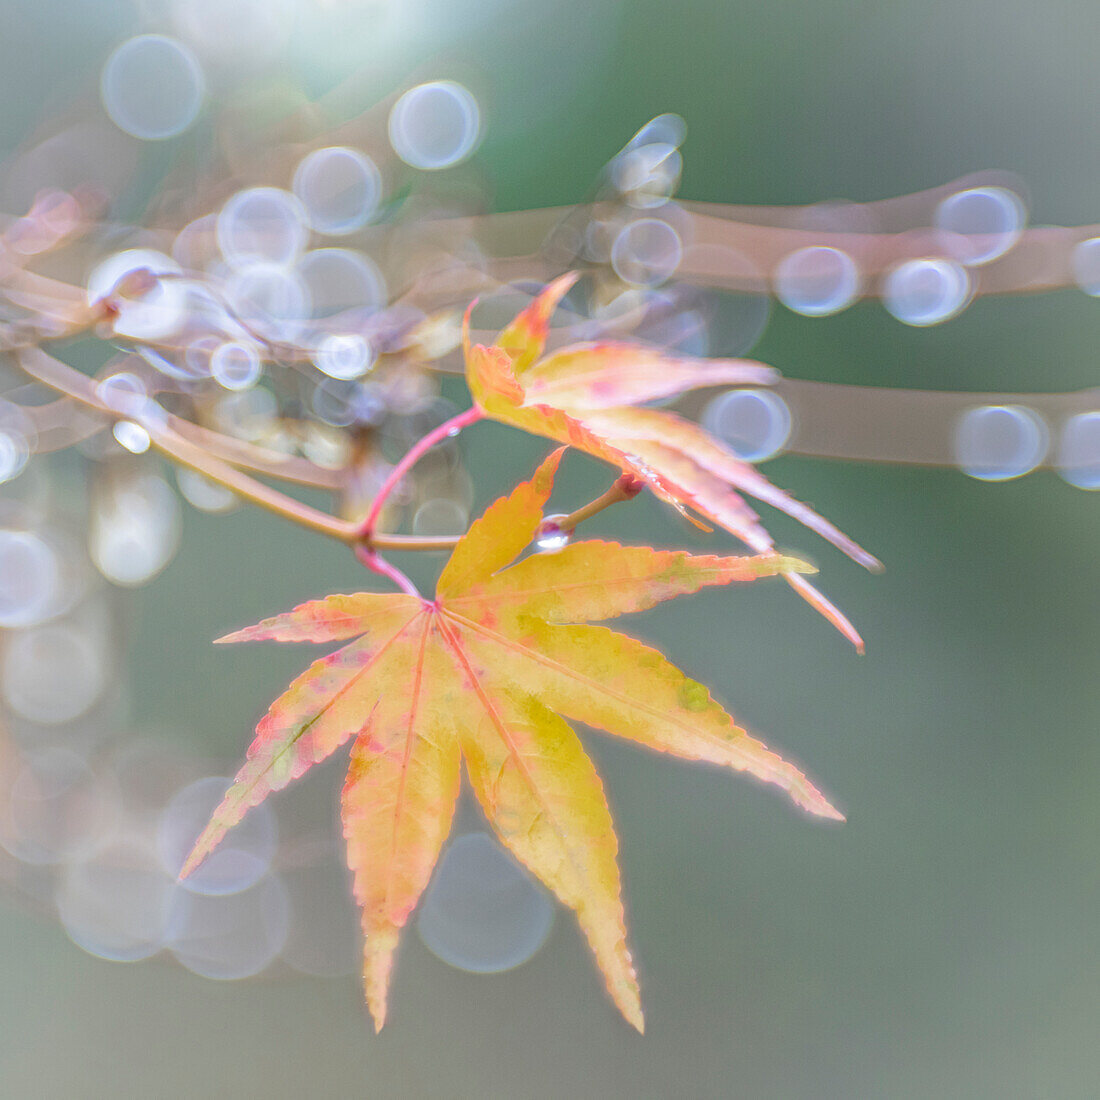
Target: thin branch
x=448 y=428
x=260 y=460
x=64 y=379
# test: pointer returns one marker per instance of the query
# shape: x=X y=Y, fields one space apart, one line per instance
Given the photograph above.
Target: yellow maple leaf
x=585 y=395
x=484 y=673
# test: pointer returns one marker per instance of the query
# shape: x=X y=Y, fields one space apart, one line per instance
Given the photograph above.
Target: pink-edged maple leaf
x=488 y=672
x=586 y=395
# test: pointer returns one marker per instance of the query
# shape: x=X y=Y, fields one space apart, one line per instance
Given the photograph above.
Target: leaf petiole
x=377 y=564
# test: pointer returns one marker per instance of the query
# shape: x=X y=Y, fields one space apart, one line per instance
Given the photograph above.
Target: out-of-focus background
x=944 y=941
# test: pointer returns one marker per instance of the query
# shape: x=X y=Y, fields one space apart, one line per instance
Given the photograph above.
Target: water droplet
x=435 y=125
x=242 y=858
x=979 y=224
x=817 y=281
x=1079 y=450
x=123 y=393
x=998 y=442
x=18 y=439
x=482 y=911
x=152 y=87
x=132 y=436
x=1086 y=265
x=754 y=424
x=340 y=189
x=926 y=292
x=550 y=537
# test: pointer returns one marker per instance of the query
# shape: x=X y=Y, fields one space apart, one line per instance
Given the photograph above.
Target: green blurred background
x=941 y=943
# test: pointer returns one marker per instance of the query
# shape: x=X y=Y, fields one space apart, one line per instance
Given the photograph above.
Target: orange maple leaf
x=483 y=673
x=584 y=395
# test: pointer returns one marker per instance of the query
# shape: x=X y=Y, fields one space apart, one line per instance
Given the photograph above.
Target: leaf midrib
x=527 y=593
x=352 y=681
x=600 y=688
x=502 y=731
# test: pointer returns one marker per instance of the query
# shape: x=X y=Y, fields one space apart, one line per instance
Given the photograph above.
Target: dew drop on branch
x=926 y=292
x=999 y=442
x=550 y=536
x=1086 y=266
x=131 y=436
x=1079 y=450
x=817 y=281
x=754 y=424
x=979 y=224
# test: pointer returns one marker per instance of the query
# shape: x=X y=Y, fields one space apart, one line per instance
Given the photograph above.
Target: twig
x=63 y=379
x=259 y=460
x=448 y=428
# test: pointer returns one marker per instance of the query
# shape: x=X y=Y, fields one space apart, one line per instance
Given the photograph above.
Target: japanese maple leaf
x=483 y=673
x=585 y=394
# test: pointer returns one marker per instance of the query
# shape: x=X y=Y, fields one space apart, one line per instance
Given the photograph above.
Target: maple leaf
x=485 y=672
x=585 y=394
